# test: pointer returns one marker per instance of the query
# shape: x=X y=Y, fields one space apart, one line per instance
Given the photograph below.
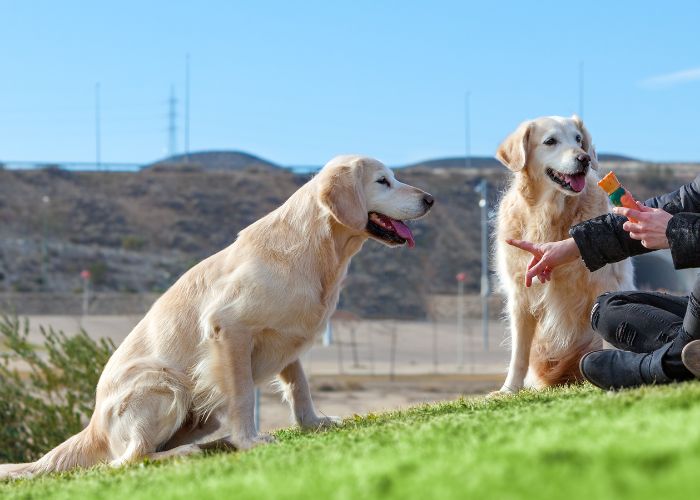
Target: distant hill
x=457 y=162
x=212 y=161
x=612 y=157
x=223 y=161
x=491 y=162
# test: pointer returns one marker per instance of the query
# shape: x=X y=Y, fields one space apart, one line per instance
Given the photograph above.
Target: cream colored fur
x=549 y=323
x=184 y=378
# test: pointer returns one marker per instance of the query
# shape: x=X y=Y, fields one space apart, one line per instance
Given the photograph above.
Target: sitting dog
x=238 y=319
x=553 y=187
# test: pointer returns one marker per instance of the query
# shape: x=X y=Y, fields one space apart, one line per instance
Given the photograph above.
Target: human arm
x=657 y=228
x=604 y=239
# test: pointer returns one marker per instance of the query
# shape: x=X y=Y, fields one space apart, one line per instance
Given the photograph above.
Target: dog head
x=551 y=149
x=364 y=196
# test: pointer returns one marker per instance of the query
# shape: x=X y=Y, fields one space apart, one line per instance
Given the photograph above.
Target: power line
x=187 y=107
x=98 y=145
x=467 y=132
x=580 y=89
x=172 y=122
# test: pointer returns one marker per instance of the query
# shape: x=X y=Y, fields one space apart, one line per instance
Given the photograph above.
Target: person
x=657 y=335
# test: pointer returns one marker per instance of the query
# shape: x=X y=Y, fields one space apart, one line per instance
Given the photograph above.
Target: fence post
x=392 y=354
x=257 y=410
x=370 y=342
x=435 y=345
x=339 y=344
x=353 y=345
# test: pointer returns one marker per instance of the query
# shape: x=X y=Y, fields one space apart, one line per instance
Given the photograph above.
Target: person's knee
x=602 y=320
x=608 y=318
x=599 y=305
x=595 y=314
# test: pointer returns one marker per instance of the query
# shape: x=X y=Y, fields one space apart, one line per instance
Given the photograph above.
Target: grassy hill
x=568 y=443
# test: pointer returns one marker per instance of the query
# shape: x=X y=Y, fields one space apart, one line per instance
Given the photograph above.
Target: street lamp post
x=45 y=200
x=482 y=188
x=461 y=278
x=86 y=275
x=328 y=334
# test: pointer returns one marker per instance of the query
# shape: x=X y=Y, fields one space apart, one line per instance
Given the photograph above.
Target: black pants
x=642 y=322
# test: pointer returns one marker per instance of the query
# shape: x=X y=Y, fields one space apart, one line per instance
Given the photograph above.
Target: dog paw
x=248 y=443
x=502 y=392
x=321 y=423
x=494 y=395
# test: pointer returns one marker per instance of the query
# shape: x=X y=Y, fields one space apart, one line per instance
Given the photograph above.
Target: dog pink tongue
x=577 y=182
x=403 y=231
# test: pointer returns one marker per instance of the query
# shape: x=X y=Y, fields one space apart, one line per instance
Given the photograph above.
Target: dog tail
x=563 y=370
x=12 y=470
x=82 y=450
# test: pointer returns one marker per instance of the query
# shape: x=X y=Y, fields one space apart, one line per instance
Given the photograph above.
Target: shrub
x=47 y=392
x=132 y=242
x=98 y=272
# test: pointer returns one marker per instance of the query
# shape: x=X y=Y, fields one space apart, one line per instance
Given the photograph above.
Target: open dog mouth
x=571 y=182
x=389 y=230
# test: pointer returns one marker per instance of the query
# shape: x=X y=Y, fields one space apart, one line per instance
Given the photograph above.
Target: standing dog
x=188 y=370
x=553 y=188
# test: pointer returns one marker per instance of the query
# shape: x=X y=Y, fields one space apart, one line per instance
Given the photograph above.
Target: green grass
x=567 y=443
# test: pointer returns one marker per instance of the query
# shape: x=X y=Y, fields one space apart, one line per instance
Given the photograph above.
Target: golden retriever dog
x=184 y=378
x=553 y=187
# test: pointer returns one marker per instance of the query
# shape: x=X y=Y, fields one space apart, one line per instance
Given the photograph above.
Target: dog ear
x=586 y=143
x=594 y=158
x=513 y=151
x=342 y=193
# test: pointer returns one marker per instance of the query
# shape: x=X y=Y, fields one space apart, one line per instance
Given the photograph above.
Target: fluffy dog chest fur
x=559 y=324
x=547 y=220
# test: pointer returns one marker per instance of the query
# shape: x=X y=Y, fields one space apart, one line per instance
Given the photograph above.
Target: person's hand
x=546 y=256
x=650 y=227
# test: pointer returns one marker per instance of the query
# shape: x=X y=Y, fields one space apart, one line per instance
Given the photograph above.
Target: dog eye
x=550 y=142
x=384 y=181
x=578 y=138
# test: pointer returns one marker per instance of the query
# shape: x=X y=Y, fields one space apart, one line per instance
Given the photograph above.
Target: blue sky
x=299 y=82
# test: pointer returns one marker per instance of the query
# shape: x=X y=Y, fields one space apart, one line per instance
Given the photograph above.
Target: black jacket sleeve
x=683 y=233
x=602 y=240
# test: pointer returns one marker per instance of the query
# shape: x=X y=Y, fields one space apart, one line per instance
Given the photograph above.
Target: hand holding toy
x=618 y=195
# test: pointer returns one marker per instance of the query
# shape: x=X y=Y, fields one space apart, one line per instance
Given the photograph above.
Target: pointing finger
x=524 y=245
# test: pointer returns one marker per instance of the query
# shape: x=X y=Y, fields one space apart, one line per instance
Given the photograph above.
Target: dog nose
x=583 y=159
x=428 y=200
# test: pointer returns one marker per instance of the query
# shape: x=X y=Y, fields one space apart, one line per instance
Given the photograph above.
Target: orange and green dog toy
x=618 y=195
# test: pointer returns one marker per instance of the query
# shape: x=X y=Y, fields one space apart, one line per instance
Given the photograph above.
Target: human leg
x=638 y=321
x=620 y=369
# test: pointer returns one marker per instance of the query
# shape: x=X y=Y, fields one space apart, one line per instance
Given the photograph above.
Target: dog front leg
x=233 y=351
x=522 y=332
x=298 y=394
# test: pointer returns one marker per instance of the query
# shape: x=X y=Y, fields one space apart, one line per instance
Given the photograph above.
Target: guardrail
x=74 y=166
